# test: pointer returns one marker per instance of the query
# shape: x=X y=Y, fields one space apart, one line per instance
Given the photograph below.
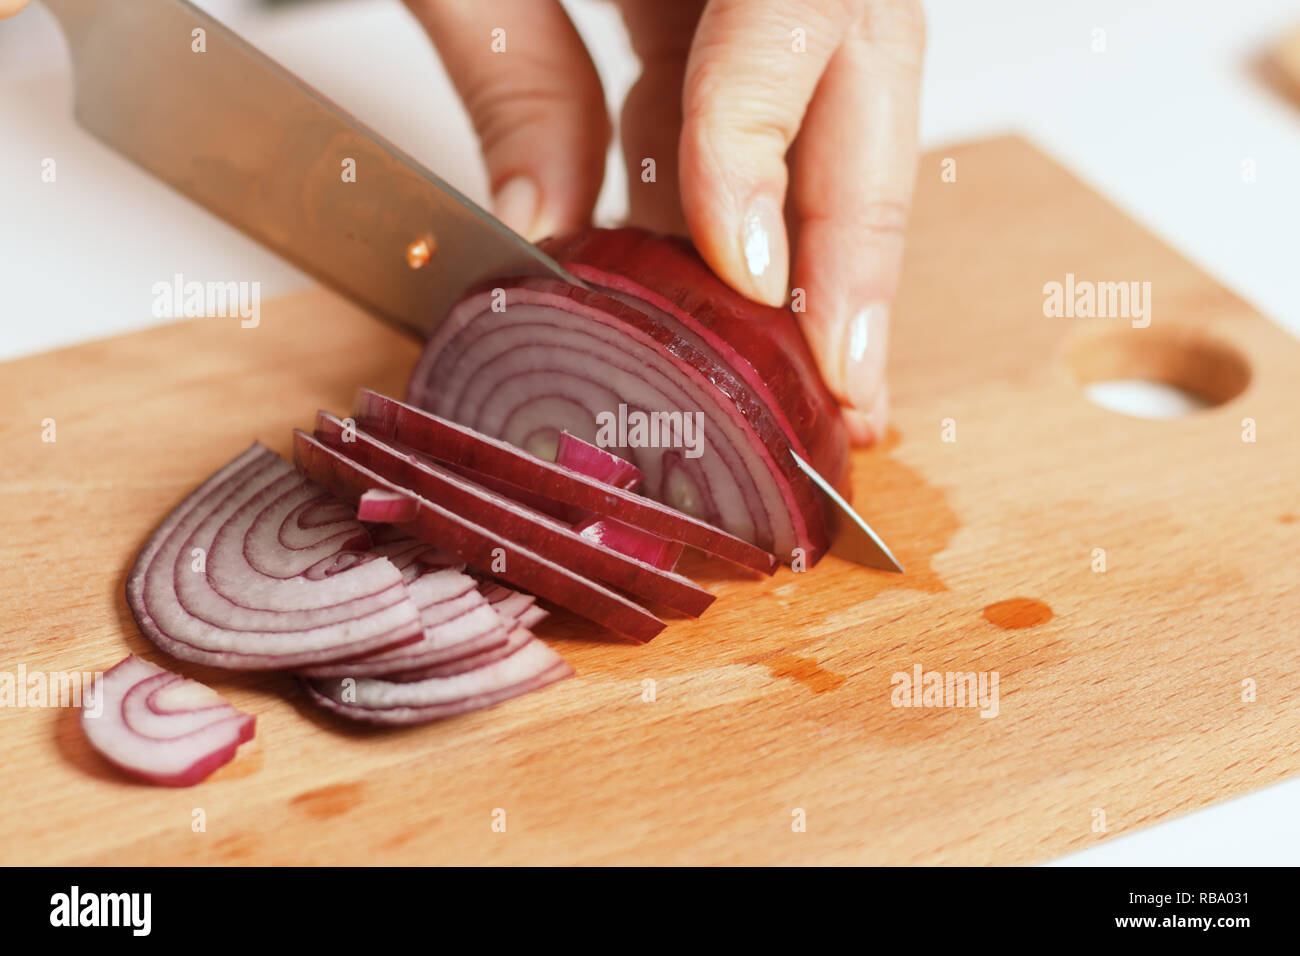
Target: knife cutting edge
x=193 y=103
x=856 y=541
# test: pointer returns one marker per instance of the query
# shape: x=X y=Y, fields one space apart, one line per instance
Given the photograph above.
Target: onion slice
x=260 y=569
x=572 y=452
x=454 y=444
x=162 y=728
x=513 y=607
x=642 y=545
x=458 y=622
x=586 y=555
x=384 y=507
x=480 y=547
x=530 y=667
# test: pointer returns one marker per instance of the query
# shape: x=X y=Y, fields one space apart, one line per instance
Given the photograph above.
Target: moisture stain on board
x=805 y=671
x=1017 y=613
x=327 y=802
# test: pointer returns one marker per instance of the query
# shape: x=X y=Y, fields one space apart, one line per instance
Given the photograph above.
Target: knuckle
x=715 y=109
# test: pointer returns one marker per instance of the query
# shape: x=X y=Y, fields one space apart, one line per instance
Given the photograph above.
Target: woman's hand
x=755 y=112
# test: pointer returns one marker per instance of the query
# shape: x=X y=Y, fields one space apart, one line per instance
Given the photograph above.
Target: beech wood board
x=1132 y=699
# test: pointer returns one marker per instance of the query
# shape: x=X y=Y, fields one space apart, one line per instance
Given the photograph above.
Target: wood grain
x=1126 y=696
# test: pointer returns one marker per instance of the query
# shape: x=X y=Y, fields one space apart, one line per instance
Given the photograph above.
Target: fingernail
x=763 y=246
x=866 y=341
x=515 y=204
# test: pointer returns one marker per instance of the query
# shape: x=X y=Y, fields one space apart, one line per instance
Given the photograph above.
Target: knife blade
x=233 y=130
x=196 y=105
x=856 y=541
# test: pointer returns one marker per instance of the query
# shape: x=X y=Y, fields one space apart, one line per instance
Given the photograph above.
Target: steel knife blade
x=233 y=130
x=856 y=541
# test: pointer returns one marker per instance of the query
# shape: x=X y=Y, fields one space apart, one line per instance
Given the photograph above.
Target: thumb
x=535 y=101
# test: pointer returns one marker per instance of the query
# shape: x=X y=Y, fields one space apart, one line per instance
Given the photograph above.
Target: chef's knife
x=185 y=97
x=174 y=90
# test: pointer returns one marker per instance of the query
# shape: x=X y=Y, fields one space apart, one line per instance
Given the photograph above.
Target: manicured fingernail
x=515 y=204
x=865 y=345
x=763 y=246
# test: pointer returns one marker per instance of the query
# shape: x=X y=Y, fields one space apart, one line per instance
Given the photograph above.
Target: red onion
x=259 y=569
x=458 y=622
x=532 y=666
x=657 y=335
x=479 y=546
x=518 y=637
x=383 y=507
x=512 y=606
x=573 y=452
x=161 y=727
x=516 y=522
x=454 y=444
x=597 y=463
x=642 y=545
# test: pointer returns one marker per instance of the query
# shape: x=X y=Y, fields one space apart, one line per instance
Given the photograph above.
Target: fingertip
x=866 y=428
x=515 y=203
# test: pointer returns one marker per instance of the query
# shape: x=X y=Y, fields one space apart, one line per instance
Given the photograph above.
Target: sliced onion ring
x=454 y=444
x=585 y=555
x=162 y=728
x=481 y=547
x=531 y=667
x=599 y=463
x=260 y=569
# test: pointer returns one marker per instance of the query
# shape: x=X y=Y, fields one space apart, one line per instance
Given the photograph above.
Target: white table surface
x=1161 y=122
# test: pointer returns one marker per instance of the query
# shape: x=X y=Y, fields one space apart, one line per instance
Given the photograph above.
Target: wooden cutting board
x=1163 y=683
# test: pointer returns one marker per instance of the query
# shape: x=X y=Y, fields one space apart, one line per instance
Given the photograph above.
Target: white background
x=1161 y=122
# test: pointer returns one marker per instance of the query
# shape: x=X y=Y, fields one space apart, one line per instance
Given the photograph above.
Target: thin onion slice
x=642 y=545
x=585 y=555
x=518 y=637
x=162 y=728
x=599 y=463
x=531 y=667
x=480 y=547
x=454 y=444
x=384 y=507
x=513 y=607
x=260 y=569
x=459 y=621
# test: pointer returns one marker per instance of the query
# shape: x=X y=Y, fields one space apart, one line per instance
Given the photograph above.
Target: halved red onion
x=530 y=667
x=160 y=727
x=672 y=342
x=479 y=546
x=517 y=522
x=454 y=444
x=599 y=463
x=261 y=569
